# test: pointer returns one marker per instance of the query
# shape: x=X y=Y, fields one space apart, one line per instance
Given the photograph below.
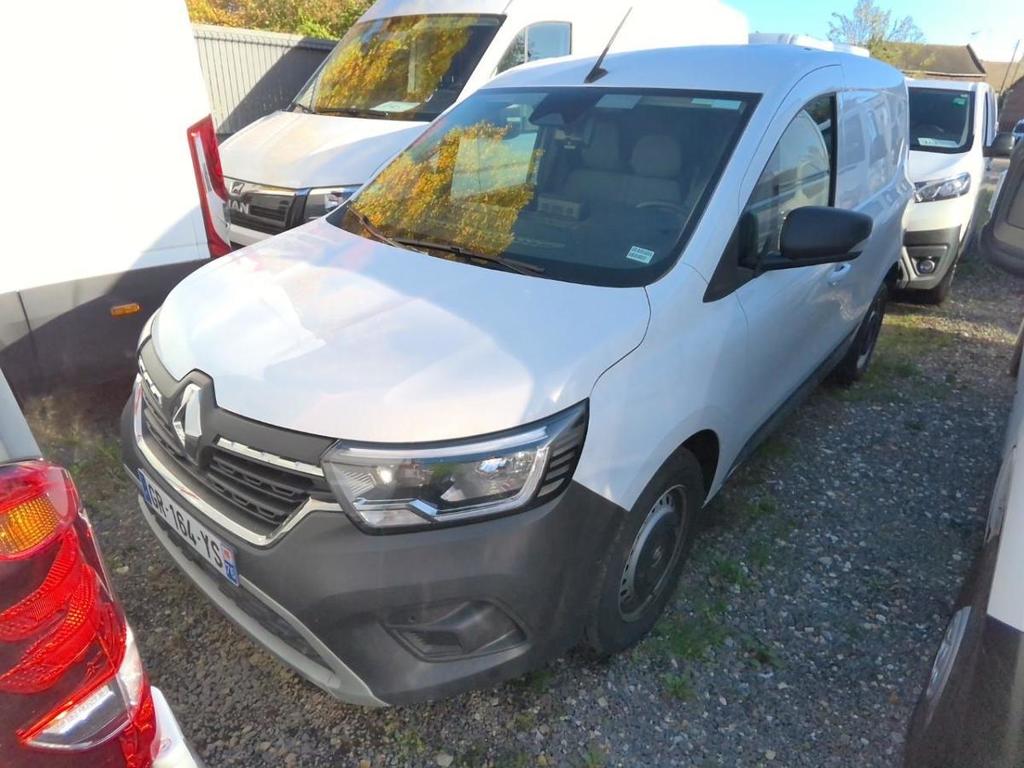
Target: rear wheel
x=858 y=358
x=644 y=561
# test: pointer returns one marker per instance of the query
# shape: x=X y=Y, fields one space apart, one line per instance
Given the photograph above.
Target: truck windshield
x=582 y=184
x=399 y=68
x=940 y=120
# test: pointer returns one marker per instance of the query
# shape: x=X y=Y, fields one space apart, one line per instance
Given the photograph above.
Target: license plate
x=214 y=551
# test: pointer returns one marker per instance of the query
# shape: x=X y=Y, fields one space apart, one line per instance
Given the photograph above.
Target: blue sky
x=991 y=26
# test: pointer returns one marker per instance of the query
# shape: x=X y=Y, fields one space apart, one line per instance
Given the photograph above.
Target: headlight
x=323 y=200
x=384 y=487
x=945 y=189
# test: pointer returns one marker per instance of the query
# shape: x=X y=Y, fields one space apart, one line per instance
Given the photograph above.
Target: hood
x=324 y=332
x=932 y=166
x=295 y=150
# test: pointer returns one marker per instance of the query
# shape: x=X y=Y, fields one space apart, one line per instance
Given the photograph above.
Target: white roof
x=947 y=85
x=386 y=8
x=805 y=41
x=739 y=68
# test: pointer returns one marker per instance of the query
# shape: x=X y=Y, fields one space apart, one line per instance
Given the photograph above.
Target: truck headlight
x=386 y=487
x=323 y=200
x=944 y=189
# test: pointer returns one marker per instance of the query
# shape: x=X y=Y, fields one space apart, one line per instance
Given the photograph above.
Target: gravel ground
x=800 y=635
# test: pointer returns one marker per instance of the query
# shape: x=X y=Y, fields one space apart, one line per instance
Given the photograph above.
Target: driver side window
x=799 y=173
x=543 y=40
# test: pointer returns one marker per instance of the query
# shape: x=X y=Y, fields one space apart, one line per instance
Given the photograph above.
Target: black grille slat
x=268 y=494
x=283 y=485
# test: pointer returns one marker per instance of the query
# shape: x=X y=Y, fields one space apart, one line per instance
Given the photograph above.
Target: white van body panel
x=1004 y=602
x=718 y=362
x=320 y=331
x=82 y=178
x=806 y=41
x=298 y=150
x=926 y=166
x=327 y=333
x=294 y=150
x=941 y=214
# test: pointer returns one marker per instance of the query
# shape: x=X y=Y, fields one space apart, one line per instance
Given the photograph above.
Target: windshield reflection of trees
x=403 y=61
x=468 y=190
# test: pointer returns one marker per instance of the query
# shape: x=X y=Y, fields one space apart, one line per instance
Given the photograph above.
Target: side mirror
x=819 y=235
x=1001 y=146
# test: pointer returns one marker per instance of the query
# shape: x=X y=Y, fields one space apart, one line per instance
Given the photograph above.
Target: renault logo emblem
x=187 y=419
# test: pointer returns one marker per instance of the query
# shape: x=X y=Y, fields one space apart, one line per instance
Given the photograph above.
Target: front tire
x=857 y=360
x=643 y=563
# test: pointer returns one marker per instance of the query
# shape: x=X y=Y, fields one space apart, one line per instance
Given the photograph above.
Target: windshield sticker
x=960 y=101
x=636 y=253
x=925 y=141
x=396 y=106
x=718 y=103
x=618 y=100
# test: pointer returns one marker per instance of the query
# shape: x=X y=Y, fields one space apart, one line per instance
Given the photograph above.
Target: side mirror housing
x=819 y=235
x=1001 y=146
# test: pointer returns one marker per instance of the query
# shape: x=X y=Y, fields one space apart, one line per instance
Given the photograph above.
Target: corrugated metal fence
x=251 y=73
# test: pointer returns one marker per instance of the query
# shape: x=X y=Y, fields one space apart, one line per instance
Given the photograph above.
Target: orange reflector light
x=28 y=525
x=37 y=502
x=121 y=310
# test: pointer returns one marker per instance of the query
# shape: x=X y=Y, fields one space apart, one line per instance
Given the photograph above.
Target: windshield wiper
x=347 y=111
x=370 y=227
x=510 y=265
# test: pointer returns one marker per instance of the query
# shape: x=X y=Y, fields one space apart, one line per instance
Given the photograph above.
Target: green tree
x=874 y=28
x=313 y=18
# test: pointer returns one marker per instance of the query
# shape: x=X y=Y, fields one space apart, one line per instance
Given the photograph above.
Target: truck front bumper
x=405 y=617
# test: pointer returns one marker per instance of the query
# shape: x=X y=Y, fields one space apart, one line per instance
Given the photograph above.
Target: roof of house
x=927 y=60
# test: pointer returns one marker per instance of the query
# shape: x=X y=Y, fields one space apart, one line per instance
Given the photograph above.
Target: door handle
x=838 y=273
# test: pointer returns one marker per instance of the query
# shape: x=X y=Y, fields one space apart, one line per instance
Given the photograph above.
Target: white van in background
x=95 y=252
x=952 y=123
x=401 y=65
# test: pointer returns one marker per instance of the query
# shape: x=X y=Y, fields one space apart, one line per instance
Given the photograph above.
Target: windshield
x=582 y=184
x=940 y=120
x=399 y=68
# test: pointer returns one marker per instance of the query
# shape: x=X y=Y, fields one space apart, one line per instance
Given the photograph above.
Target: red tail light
x=213 y=195
x=72 y=687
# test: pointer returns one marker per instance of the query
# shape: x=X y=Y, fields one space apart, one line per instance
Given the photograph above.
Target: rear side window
x=543 y=40
x=799 y=173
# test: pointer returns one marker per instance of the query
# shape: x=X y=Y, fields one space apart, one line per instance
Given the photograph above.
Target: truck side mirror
x=1001 y=146
x=819 y=235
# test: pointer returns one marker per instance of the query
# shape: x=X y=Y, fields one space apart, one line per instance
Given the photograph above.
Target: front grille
x=264 y=493
x=264 y=209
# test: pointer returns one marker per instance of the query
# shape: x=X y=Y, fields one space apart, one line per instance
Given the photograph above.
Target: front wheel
x=858 y=358
x=642 y=566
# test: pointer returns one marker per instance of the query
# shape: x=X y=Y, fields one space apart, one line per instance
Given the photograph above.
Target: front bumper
x=940 y=247
x=401 y=618
x=173 y=750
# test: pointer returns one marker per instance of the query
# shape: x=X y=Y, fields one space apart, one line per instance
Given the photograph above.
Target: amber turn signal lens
x=27 y=526
x=121 y=310
x=37 y=502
